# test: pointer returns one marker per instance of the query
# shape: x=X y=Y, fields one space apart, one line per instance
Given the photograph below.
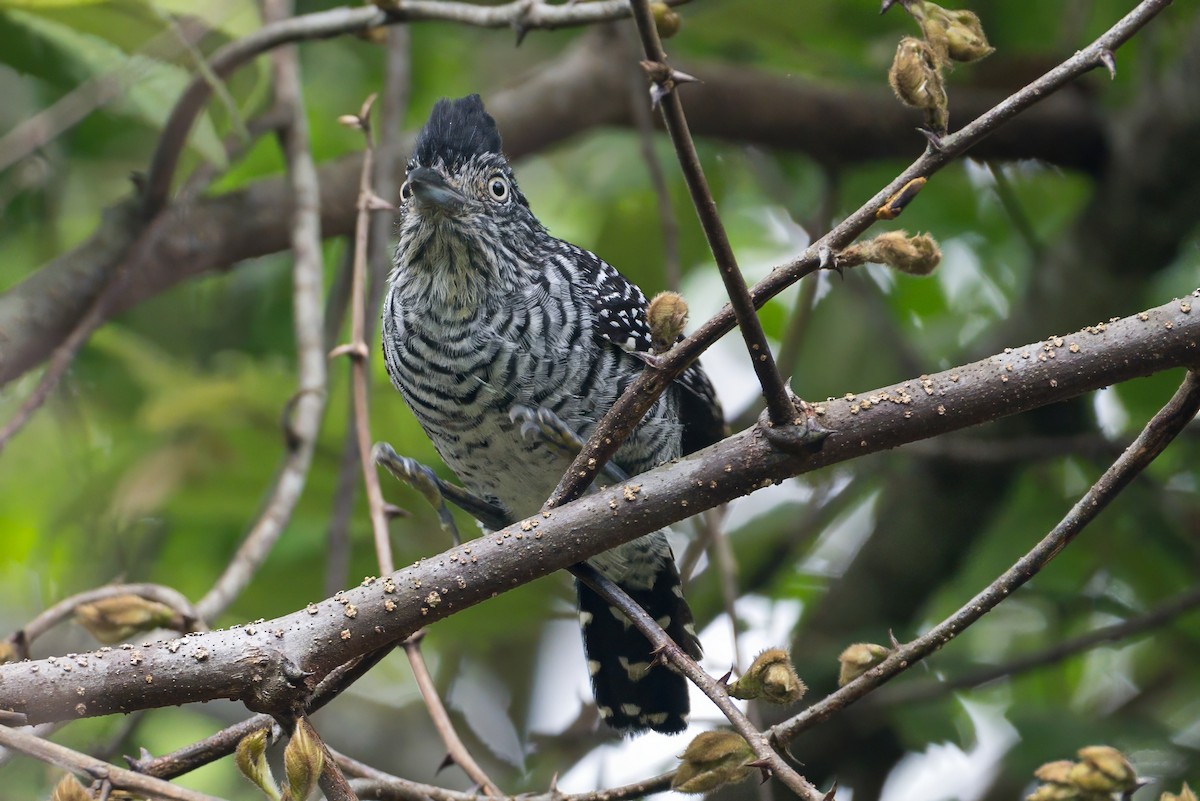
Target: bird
x=486 y=313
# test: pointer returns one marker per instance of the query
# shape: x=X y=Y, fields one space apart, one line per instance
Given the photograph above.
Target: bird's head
x=458 y=170
x=465 y=228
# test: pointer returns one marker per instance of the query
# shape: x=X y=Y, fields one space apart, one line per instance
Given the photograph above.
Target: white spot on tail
x=585 y=618
x=636 y=670
x=619 y=615
x=630 y=709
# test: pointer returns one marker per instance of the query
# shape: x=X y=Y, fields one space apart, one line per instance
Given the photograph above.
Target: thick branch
x=265 y=664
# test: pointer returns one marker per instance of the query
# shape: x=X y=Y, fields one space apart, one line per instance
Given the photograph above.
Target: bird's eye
x=405 y=192
x=498 y=187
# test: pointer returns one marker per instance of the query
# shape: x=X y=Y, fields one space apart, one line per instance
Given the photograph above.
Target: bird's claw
x=422 y=479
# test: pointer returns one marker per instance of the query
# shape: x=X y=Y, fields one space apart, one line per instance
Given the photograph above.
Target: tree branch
x=67 y=759
x=779 y=403
x=266 y=664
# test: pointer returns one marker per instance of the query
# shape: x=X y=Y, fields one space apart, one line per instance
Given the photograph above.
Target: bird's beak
x=430 y=188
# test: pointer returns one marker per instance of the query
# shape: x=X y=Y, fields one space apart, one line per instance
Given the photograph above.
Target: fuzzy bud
x=857 y=659
x=1056 y=772
x=1104 y=769
x=1186 y=794
x=251 y=759
x=69 y=789
x=666 y=20
x=914 y=255
x=667 y=315
x=955 y=35
x=113 y=619
x=916 y=79
x=713 y=759
x=303 y=760
x=770 y=677
x=1054 y=792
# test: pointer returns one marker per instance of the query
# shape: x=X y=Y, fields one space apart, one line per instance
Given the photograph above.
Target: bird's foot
x=547 y=427
x=437 y=492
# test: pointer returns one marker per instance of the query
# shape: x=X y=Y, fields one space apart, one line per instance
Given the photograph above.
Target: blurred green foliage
x=152 y=460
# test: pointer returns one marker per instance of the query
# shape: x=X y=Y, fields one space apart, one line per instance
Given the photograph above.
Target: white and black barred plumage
x=486 y=312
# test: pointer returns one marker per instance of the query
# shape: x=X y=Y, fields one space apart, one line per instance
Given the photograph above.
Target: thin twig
x=370 y=782
x=629 y=409
x=780 y=408
x=1157 y=434
x=643 y=122
x=333 y=782
x=189 y=616
x=223 y=743
x=325 y=24
x=303 y=423
x=919 y=692
x=668 y=650
x=392 y=104
x=441 y=720
x=357 y=350
x=74 y=761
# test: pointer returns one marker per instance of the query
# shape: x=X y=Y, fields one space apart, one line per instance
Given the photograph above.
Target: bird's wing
x=619 y=308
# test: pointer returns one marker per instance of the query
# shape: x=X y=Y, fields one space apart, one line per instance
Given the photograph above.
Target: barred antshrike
x=486 y=312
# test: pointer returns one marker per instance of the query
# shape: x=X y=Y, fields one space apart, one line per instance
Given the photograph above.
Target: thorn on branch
x=355 y=350
x=521 y=24
x=1110 y=62
x=374 y=202
x=934 y=139
x=764 y=769
x=664 y=79
x=827 y=260
x=361 y=120
x=392 y=511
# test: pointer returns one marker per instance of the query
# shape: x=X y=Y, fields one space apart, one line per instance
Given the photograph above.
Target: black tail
x=633 y=692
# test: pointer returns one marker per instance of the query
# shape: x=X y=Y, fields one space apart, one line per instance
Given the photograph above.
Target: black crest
x=456 y=131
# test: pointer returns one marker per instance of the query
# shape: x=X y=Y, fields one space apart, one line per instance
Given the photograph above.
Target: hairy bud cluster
x=772 y=678
x=713 y=759
x=111 y=620
x=1101 y=771
x=914 y=255
x=917 y=72
x=857 y=659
